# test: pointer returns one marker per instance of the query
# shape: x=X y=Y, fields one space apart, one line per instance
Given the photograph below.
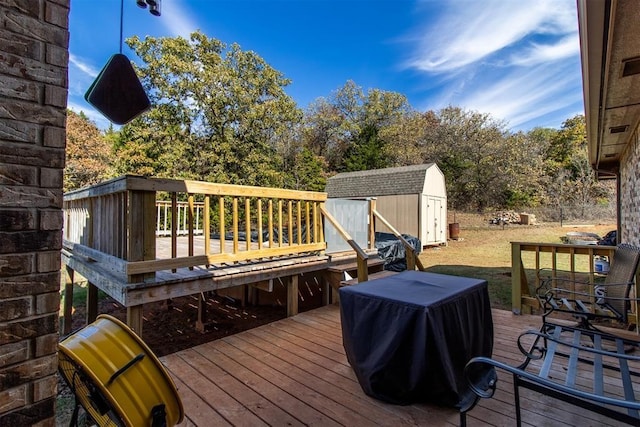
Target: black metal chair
x=587 y=302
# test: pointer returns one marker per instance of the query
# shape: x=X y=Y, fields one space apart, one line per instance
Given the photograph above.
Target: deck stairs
x=346 y=274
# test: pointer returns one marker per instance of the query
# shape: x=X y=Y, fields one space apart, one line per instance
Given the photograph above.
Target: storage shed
x=412 y=198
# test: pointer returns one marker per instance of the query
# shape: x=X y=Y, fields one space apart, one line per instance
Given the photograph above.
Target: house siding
x=630 y=192
x=34 y=42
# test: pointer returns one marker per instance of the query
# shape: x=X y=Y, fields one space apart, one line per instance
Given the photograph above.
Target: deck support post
x=202 y=312
x=292 y=296
x=68 y=301
x=516 y=278
x=134 y=318
x=253 y=298
x=326 y=291
x=92 y=302
x=141 y=223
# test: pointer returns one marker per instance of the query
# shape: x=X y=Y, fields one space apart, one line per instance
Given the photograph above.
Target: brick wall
x=34 y=42
x=630 y=192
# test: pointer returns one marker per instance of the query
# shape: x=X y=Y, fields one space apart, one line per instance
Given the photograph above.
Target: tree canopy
x=222 y=114
x=88 y=153
x=217 y=114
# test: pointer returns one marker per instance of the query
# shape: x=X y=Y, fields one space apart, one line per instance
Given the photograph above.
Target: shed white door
x=433 y=225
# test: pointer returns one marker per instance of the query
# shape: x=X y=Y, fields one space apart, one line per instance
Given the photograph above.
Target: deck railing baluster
x=259 y=213
x=247 y=220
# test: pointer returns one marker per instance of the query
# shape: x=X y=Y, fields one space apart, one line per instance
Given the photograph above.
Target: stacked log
x=512 y=217
x=505 y=217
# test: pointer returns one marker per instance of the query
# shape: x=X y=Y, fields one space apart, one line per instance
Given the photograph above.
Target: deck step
x=372 y=276
x=335 y=273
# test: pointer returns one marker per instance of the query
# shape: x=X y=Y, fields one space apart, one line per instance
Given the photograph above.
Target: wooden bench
x=587 y=368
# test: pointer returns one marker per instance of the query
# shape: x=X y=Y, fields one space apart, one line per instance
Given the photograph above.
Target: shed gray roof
x=378 y=182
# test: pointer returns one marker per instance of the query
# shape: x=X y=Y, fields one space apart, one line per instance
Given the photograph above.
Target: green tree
x=217 y=112
x=470 y=150
x=308 y=172
x=564 y=143
x=348 y=124
x=88 y=153
x=409 y=140
x=573 y=183
x=367 y=151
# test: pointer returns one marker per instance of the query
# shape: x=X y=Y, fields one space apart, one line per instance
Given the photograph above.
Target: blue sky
x=516 y=60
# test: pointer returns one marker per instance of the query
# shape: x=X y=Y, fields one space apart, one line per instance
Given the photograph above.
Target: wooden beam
x=292 y=296
x=183 y=262
x=201 y=187
x=193 y=282
x=411 y=255
x=202 y=313
x=68 y=301
x=134 y=318
x=326 y=291
x=142 y=230
x=117 y=266
x=92 y=302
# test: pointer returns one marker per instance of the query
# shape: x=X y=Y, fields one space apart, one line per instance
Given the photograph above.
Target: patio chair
x=585 y=301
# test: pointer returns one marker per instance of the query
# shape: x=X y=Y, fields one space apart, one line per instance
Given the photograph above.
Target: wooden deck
x=295 y=372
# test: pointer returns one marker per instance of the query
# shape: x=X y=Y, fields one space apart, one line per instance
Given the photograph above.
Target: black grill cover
x=409 y=336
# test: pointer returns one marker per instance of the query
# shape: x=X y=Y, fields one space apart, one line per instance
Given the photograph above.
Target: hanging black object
x=117 y=92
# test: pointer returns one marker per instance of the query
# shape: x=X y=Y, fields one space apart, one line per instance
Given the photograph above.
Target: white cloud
x=524 y=94
x=176 y=19
x=83 y=66
x=95 y=116
x=539 y=53
x=469 y=31
x=516 y=60
x=81 y=75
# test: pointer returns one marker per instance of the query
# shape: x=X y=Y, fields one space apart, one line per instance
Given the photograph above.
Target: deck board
x=294 y=372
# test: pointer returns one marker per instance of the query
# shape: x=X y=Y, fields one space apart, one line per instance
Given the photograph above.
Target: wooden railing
x=527 y=259
x=361 y=255
x=114 y=223
x=412 y=257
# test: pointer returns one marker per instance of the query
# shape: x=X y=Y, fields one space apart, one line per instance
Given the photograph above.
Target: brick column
x=34 y=43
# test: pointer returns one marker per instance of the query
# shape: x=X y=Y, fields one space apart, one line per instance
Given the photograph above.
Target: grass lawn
x=485 y=252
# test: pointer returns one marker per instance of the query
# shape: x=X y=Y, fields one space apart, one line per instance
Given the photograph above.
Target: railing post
x=141 y=244
x=68 y=301
x=363 y=269
x=516 y=279
x=372 y=223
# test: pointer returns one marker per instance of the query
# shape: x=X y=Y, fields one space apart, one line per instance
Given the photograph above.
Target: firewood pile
x=505 y=217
